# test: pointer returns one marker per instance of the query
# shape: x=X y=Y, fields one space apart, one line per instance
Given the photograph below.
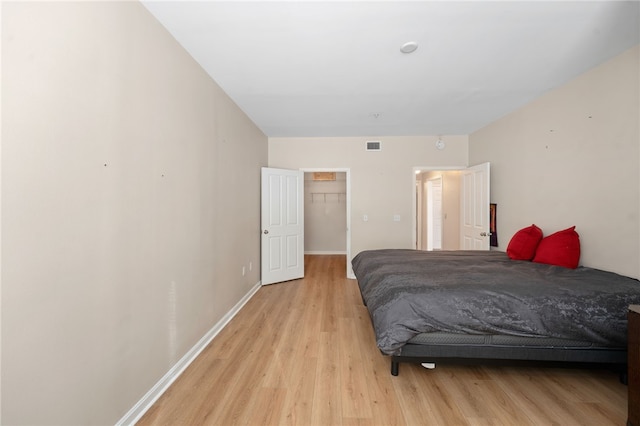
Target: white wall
x=130 y=203
x=572 y=157
x=382 y=182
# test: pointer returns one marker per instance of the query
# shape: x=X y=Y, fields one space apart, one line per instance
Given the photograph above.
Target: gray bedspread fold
x=409 y=292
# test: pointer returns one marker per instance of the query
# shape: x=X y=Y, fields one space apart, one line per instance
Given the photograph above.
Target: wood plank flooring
x=303 y=353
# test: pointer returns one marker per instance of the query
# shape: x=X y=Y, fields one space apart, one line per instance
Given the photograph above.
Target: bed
x=482 y=305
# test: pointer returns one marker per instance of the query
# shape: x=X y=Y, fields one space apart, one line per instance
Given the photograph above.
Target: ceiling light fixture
x=409 y=47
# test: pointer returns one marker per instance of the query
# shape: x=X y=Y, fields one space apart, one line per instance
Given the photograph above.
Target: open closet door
x=282 y=218
x=474 y=206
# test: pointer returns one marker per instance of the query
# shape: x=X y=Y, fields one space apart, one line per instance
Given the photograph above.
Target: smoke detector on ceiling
x=409 y=47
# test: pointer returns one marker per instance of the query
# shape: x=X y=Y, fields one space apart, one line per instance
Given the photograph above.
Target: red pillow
x=561 y=248
x=523 y=244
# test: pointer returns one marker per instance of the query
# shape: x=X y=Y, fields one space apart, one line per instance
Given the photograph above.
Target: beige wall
x=130 y=203
x=572 y=158
x=382 y=182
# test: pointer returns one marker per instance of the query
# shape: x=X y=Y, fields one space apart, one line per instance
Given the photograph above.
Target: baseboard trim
x=141 y=407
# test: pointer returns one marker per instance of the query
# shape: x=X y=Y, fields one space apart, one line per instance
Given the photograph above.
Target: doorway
x=463 y=195
x=327 y=205
x=437 y=212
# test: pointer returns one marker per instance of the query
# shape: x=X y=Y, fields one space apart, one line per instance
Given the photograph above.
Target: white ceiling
x=334 y=68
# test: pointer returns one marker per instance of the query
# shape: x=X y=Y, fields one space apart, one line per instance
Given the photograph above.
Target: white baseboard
x=141 y=407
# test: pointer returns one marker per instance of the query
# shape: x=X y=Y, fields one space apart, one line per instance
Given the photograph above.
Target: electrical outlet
x=250 y=266
x=243 y=271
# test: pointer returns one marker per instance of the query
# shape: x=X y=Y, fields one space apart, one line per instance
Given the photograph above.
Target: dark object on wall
x=493 y=242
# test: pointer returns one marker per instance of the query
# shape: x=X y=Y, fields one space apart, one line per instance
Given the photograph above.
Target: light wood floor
x=303 y=353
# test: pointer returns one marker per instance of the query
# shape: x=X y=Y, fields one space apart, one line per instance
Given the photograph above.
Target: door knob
x=483 y=234
x=266 y=231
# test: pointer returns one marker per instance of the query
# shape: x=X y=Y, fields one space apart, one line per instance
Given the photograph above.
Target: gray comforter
x=409 y=292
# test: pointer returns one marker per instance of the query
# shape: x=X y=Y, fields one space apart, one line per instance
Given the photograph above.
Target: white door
x=419 y=192
x=434 y=213
x=282 y=225
x=474 y=206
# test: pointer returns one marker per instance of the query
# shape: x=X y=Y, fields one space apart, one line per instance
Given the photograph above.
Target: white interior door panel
x=282 y=218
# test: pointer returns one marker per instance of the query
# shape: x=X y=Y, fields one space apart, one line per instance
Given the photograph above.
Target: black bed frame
x=535 y=353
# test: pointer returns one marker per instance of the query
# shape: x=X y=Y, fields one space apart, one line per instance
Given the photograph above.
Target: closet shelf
x=317 y=196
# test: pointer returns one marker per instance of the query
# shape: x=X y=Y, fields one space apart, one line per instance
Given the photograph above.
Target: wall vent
x=374 y=145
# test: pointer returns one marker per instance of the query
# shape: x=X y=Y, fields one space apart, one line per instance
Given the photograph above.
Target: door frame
x=419 y=243
x=414 y=172
x=347 y=172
